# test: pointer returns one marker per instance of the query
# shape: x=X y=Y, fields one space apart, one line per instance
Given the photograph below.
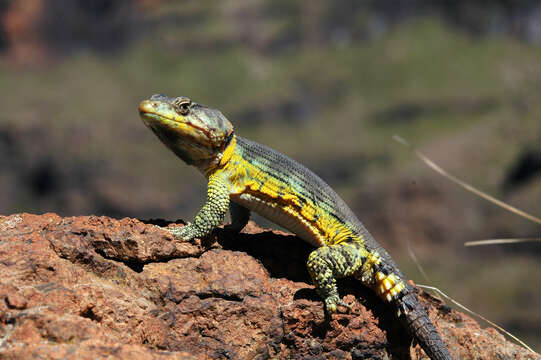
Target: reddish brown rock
x=96 y=288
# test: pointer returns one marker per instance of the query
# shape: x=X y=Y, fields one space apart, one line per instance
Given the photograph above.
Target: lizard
x=245 y=176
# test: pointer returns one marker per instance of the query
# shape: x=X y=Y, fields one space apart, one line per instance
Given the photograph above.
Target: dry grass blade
x=477 y=315
x=493 y=200
x=501 y=241
x=417 y=263
x=467 y=186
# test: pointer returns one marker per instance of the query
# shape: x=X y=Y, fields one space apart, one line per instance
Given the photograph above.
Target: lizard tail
x=414 y=317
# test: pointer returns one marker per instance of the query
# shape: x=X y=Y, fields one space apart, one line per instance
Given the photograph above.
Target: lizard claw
x=332 y=304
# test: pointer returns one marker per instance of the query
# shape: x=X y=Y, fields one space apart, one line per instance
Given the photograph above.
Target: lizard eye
x=182 y=105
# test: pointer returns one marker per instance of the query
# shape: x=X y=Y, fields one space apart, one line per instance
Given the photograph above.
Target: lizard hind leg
x=328 y=263
x=239 y=217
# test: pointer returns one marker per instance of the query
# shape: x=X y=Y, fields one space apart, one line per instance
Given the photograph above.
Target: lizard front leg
x=328 y=263
x=211 y=214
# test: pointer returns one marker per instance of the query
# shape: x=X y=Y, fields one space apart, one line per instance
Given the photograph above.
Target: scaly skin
x=245 y=176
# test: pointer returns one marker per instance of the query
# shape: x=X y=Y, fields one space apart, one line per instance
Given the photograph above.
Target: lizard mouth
x=151 y=110
x=174 y=128
x=154 y=110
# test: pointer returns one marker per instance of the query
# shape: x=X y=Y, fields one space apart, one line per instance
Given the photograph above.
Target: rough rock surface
x=94 y=288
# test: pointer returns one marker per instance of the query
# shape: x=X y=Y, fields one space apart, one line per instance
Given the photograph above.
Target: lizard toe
x=332 y=305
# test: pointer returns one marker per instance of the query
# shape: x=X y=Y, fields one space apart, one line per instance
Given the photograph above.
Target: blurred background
x=326 y=82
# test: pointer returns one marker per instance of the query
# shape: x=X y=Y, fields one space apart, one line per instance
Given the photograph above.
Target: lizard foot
x=332 y=303
x=180 y=232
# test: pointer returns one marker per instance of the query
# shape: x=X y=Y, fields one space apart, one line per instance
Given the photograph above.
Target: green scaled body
x=245 y=176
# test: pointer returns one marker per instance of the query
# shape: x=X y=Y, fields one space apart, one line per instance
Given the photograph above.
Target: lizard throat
x=227 y=153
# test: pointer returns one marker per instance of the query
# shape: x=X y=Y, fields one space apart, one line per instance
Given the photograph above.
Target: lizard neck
x=222 y=158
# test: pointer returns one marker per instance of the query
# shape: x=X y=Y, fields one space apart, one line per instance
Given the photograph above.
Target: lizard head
x=195 y=133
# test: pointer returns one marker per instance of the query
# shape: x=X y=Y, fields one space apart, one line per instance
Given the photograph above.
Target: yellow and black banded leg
x=211 y=214
x=328 y=263
x=239 y=217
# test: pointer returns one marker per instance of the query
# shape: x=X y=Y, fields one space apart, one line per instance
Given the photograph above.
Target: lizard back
x=323 y=217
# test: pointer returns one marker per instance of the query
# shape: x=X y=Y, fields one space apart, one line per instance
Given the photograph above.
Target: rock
x=98 y=288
